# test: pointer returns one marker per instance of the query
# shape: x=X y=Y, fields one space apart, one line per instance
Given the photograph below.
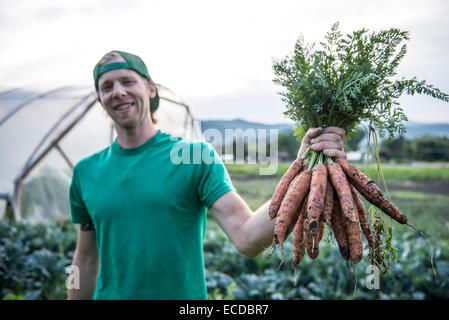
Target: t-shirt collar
x=136 y=150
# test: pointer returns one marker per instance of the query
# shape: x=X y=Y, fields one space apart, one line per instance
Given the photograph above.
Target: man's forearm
x=259 y=230
x=88 y=271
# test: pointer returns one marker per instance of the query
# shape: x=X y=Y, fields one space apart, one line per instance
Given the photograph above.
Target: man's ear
x=152 y=87
x=101 y=104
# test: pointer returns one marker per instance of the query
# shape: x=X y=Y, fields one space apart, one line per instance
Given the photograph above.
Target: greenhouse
x=43 y=133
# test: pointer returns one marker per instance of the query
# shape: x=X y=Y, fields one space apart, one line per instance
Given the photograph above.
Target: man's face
x=125 y=95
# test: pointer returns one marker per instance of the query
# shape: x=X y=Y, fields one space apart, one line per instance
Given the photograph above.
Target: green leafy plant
x=33 y=259
x=349 y=80
x=346 y=81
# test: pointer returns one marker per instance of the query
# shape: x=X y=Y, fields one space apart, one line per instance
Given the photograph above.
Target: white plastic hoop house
x=44 y=133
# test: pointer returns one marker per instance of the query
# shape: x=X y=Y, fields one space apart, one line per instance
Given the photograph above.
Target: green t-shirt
x=148 y=205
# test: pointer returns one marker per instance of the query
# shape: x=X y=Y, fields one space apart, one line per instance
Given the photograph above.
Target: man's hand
x=328 y=140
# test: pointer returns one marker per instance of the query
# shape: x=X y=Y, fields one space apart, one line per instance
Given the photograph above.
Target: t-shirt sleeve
x=214 y=180
x=79 y=213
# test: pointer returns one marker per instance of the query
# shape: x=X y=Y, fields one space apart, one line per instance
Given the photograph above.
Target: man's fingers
x=334 y=153
x=329 y=140
x=327 y=137
x=312 y=133
x=319 y=146
x=340 y=131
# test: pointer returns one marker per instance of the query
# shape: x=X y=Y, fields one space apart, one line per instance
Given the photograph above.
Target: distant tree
x=287 y=142
x=430 y=148
x=426 y=148
x=396 y=149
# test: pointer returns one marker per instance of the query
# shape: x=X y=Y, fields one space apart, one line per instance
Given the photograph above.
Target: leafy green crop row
x=33 y=261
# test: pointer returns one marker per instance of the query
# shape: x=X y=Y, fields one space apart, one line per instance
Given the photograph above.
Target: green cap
x=133 y=62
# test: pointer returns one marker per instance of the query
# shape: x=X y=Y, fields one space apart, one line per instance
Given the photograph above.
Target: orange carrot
x=339 y=229
x=315 y=202
x=355 y=241
x=349 y=210
x=363 y=217
x=370 y=191
x=328 y=202
x=288 y=212
x=282 y=187
x=343 y=189
x=298 y=239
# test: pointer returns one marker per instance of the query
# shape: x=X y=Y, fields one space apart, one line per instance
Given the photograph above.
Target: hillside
x=414 y=129
x=221 y=125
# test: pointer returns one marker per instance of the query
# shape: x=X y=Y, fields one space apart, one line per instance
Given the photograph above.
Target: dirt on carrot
x=315 y=202
x=344 y=193
x=339 y=229
x=328 y=202
x=363 y=218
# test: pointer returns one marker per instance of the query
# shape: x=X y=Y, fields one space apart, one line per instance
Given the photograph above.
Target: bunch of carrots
x=347 y=81
x=326 y=191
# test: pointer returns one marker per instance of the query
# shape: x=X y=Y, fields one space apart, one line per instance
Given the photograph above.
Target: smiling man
x=143 y=217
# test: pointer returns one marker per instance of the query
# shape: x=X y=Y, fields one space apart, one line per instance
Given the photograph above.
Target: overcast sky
x=216 y=55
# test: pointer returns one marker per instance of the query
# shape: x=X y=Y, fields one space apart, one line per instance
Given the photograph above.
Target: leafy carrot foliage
x=349 y=80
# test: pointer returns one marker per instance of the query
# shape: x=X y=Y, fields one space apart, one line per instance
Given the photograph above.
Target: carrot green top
x=148 y=205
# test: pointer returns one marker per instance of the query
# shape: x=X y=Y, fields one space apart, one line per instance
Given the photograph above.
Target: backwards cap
x=133 y=62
